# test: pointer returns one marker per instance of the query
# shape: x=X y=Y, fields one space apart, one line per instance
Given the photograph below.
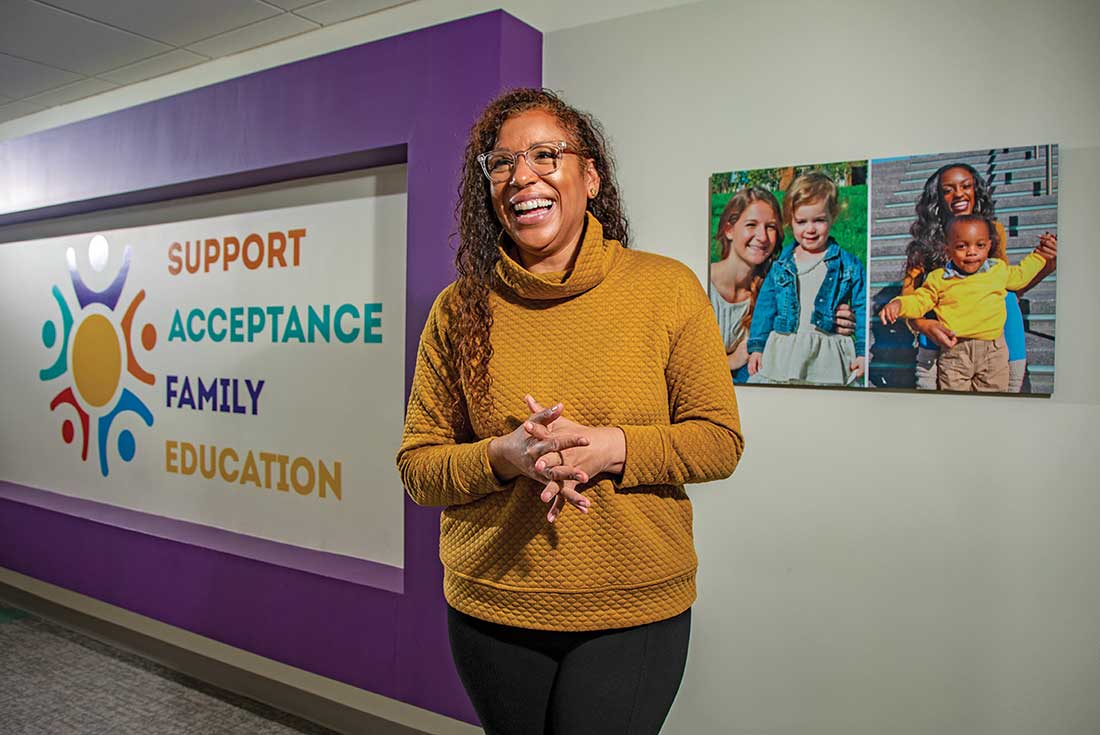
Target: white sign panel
x=244 y=372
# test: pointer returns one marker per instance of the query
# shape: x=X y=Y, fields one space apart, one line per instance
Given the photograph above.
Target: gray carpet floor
x=54 y=681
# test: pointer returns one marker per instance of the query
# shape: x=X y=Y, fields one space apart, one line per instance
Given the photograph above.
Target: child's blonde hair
x=810 y=187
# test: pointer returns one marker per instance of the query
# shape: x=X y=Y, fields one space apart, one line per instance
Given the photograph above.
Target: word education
x=279 y=471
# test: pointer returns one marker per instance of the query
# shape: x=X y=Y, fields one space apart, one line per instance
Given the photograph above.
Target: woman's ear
x=591 y=178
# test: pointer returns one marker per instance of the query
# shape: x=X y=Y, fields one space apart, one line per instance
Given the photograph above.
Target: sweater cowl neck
x=593 y=262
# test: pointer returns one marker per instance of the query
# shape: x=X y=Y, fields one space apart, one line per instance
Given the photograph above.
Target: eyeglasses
x=542 y=158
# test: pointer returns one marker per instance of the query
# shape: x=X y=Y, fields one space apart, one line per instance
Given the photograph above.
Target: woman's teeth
x=528 y=205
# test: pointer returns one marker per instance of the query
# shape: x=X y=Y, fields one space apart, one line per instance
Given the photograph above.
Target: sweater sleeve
x=703 y=440
x=921 y=301
x=1024 y=272
x=440 y=461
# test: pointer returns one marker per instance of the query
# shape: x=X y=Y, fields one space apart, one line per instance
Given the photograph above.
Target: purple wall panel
x=416 y=93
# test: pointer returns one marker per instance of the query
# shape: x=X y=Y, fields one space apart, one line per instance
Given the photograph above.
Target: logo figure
x=92 y=356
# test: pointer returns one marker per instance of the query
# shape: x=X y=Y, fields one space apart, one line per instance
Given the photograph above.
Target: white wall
x=879 y=563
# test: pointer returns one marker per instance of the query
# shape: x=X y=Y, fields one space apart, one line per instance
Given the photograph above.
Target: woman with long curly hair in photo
x=566 y=389
x=954 y=190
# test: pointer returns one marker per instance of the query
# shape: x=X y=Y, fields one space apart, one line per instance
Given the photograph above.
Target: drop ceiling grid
x=57 y=51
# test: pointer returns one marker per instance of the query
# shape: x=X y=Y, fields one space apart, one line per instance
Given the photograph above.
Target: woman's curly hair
x=479 y=228
x=925 y=251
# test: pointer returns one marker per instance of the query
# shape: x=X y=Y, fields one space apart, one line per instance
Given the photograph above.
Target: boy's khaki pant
x=974 y=365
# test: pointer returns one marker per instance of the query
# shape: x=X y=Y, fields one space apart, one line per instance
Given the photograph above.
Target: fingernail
x=528 y=425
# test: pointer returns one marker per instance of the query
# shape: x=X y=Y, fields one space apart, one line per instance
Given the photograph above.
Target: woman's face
x=753 y=236
x=546 y=235
x=957 y=191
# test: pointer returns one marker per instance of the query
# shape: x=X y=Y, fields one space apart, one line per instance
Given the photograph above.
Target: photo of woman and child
x=792 y=309
x=949 y=274
x=933 y=272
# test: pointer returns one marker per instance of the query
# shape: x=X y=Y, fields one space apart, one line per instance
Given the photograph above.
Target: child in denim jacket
x=793 y=337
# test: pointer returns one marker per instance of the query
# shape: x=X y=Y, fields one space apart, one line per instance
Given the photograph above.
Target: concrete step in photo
x=916 y=175
x=1037 y=381
x=1019 y=236
x=931 y=162
x=1022 y=194
x=1020 y=242
x=1012 y=217
x=1019 y=186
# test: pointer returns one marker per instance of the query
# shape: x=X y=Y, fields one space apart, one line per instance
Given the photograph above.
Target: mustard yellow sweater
x=625 y=339
x=972 y=306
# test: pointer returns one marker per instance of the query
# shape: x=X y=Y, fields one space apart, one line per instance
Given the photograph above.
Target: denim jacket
x=777 y=306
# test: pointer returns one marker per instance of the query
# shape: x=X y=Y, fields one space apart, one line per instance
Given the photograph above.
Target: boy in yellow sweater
x=968 y=296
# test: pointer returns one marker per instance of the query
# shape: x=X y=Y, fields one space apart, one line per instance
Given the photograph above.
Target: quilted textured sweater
x=625 y=339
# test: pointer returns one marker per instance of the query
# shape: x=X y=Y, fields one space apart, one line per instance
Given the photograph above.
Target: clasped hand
x=562 y=453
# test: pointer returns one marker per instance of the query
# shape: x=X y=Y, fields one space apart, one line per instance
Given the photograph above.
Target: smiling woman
x=572 y=619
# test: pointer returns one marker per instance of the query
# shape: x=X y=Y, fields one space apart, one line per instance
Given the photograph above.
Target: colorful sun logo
x=92 y=356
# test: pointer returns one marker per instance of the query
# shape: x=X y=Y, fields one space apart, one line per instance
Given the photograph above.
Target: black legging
x=537 y=682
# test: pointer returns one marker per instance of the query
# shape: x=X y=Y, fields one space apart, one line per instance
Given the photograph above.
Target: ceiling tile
x=20 y=78
x=257 y=34
x=154 y=67
x=16 y=109
x=66 y=41
x=291 y=4
x=328 y=12
x=177 y=23
x=71 y=92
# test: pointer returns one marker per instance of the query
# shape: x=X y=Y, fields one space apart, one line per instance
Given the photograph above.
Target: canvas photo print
x=962 y=271
x=789 y=275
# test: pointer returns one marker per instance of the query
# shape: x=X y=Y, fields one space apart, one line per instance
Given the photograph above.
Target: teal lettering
x=256 y=318
x=319 y=322
x=215 y=336
x=274 y=312
x=293 y=326
x=176 y=332
x=195 y=336
x=341 y=311
x=372 y=320
x=236 y=324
